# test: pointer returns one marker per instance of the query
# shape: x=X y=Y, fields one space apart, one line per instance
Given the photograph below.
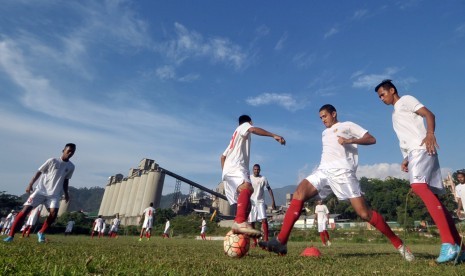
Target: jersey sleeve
x=356 y=131
x=266 y=183
x=244 y=129
x=411 y=103
x=46 y=166
x=70 y=173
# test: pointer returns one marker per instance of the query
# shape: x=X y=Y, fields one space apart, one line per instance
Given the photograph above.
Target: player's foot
x=274 y=246
x=40 y=237
x=406 y=253
x=8 y=239
x=245 y=228
x=328 y=243
x=448 y=252
x=140 y=239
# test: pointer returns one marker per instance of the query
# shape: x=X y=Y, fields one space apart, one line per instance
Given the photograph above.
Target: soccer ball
x=236 y=245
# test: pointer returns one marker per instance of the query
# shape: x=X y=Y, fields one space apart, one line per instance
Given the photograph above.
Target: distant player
x=97 y=227
x=258 y=210
x=418 y=146
x=54 y=176
x=166 y=232
x=69 y=227
x=8 y=224
x=31 y=220
x=102 y=231
x=114 y=227
x=203 y=229
x=148 y=215
x=235 y=172
x=335 y=174
x=322 y=220
x=460 y=193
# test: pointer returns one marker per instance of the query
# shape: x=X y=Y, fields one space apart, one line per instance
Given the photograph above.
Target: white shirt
x=116 y=222
x=335 y=155
x=54 y=172
x=322 y=211
x=149 y=212
x=238 y=151
x=408 y=125
x=70 y=224
x=167 y=226
x=460 y=193
x=259 y=183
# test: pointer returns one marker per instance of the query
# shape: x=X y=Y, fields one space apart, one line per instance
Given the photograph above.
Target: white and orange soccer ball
x=236 y=245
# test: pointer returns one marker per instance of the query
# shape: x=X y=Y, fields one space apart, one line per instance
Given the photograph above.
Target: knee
x=365 y=215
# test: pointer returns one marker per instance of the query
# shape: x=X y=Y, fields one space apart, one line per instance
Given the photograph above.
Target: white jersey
x=167 y=227
x=335 y=155
x=460 y=193
x=69 y=226
x=149 y=212
x=259 y=183
x=322 y=213
x=204 y=227
x=238 y=151
x=98 y=224
x=408 y=125
x=54 y=172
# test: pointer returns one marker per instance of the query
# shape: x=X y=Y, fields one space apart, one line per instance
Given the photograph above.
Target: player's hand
x=342 y=140
x=280 y=139
x=430 y=142
x=404 y=165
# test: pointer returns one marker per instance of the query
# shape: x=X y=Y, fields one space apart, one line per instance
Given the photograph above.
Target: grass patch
x=80 y=255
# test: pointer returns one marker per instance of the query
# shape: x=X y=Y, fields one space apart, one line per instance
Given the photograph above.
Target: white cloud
x=284 y=100
x=165 y=72
x=371 y=80
x=359 y=14
x=331 y=32
x=460 y=30
x=191 y=44
x=280 y=44
x=304 y=60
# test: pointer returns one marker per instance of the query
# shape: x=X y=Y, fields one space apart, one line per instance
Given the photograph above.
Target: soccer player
x=166 y=233
x=460 y=192
x=336 y=173
x=97 y=227
x=69 y=227
x=257 y=200
x=32 y=220
x=114 y=227
x=418 y=146
x=235 y=172
x=203 y=229
x=148 y=214
x=54 y=176
x=8 y=222
x=322 y=220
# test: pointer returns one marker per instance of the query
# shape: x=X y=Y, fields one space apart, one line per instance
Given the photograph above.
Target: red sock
x=18 y=220
x=44 y=226
x=326 y=234
x=379 y=223
x=28 y=231
x=243 y=205
x=265 y=230
x=291 y=216
x=436 y=210
x=322 y=237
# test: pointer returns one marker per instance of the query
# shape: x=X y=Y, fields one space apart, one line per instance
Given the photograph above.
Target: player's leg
x=19 y=219
x=245 y=191
x=265 y=229
x=305 y=190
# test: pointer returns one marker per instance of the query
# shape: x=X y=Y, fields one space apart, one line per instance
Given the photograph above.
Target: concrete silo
x=122 y=191
x=111 y=208
x=153 y=189
x=140 y=194
x=132 y=198
x=104 y=199
x=125 y=200
x=109 y=199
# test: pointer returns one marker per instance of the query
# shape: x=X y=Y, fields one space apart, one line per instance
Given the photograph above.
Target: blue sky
x=167 y=80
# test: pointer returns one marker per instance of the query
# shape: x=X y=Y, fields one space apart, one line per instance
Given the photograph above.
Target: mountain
x=279 y=195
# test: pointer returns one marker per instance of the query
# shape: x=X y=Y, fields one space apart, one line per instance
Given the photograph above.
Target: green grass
x=80 y=255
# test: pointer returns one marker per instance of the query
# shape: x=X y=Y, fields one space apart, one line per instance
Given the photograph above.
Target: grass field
x=80 y=255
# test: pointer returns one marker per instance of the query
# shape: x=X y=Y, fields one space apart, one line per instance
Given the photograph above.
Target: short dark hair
x=386 y=84
x=151 y=204
x=256 y=165
x=244 y=119
x=71 y=145
x=328 y=107
x=460 y=172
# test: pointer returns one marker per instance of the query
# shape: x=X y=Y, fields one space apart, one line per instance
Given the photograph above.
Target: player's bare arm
x=65 y=189
x=430 y=140
x=222 y=159
x=33 y=180
x=262 y=132
x=367 y=139
x=459 y=206
x=273 y=204
x=404 y=165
